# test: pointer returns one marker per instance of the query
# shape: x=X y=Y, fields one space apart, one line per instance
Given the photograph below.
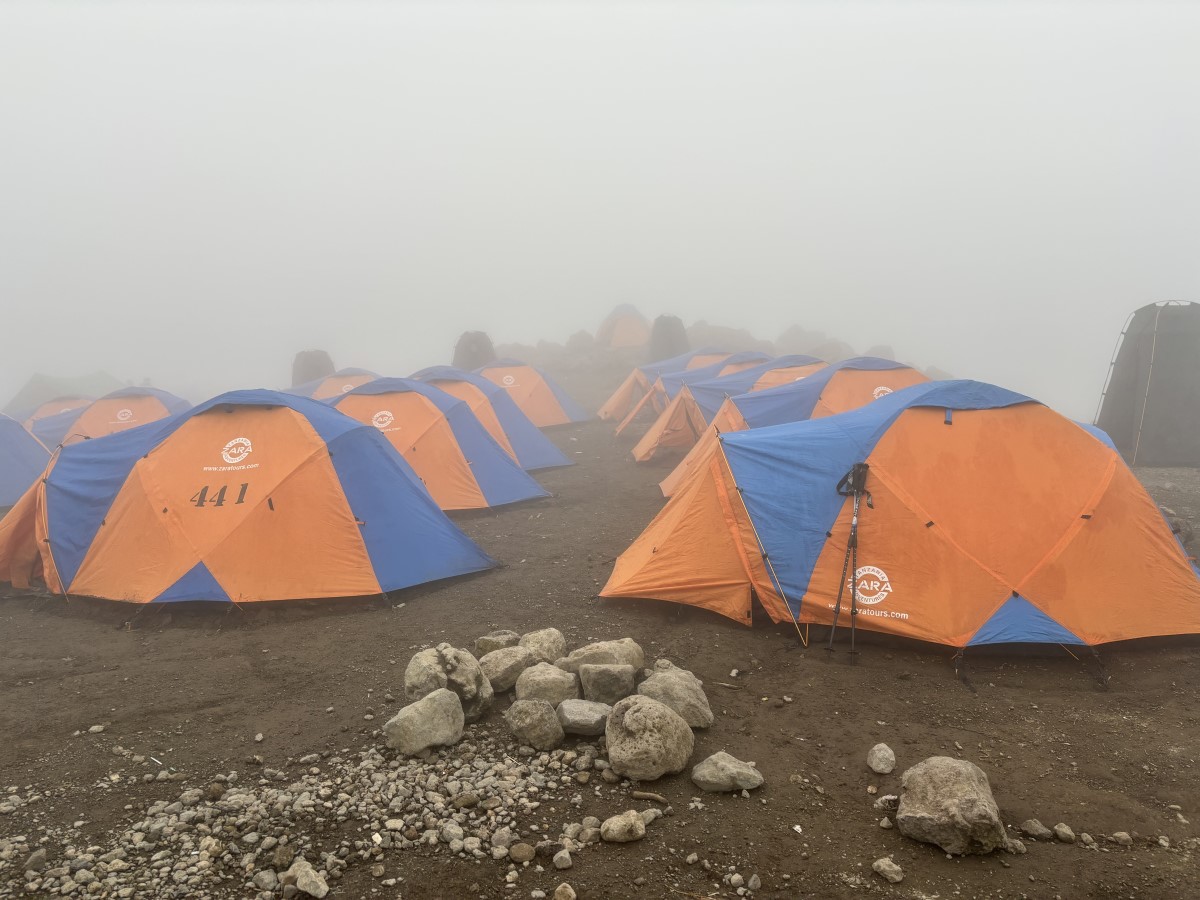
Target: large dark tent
x=1151 y=404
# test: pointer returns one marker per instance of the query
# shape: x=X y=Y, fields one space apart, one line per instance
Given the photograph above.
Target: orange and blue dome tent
x=251 y=496
x=624 y=328
x=983 y=517
x=535 y=393
x=340 y=382
x=438 y=435
x=22 y=459
x=110 y=414
x=57 y=406
x=641 y=379
x=499 y=414
x=668 y=384
x=831 y=390
x=691 y=410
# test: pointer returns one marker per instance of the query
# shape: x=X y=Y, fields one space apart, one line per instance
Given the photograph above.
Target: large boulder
x=604 y=683
x=679 y=689
x=436 y=720
x=535 y=723
x=495 y=640
x=549 y=683
x=623 y=652
x=457 y=670
x=502 y=667
x=647 y=739
x=583 y=716
x=723 y=772
x=948 y=802
x=547 y=645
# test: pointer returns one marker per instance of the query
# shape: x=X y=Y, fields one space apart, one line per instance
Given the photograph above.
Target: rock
x=435 y=720
x=625 y=652
x=549 y=683
x=948 y=802
x=888 y=870
x=647 y=739
x=722 y=772
x=565 y=892
x=502 y=667
x=681 y=691
x=521 y=853
x=96 y=729
x=306 y=879
x=562 y=860
x=607 y=683
x=266 y=880
x=1122 y=838
x=583 y=716
x=535 y=723
x=1063 y=832
x=881 y=760
x=36 y=861
x=546 y=645
x=1032 y=828
x=626 y=827
x=493 y=641
x=754 y=883
x=456 y=670
x=1086 y=839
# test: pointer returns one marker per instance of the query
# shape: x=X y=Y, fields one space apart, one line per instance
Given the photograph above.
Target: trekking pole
x=853 y=484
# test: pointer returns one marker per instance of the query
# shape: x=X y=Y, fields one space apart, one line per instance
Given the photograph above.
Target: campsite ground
x=192 y=687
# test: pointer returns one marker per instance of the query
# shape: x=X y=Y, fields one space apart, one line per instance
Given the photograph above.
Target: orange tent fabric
x=828 y=391
x=55 y=407
x=641 y=379
x=111 y=414
x=253 y=496
x=668 y=384
x=624 y=328
x=994 y=520
x=682 y=423
x=538 y=396
x=439 y=436
x=727 y=419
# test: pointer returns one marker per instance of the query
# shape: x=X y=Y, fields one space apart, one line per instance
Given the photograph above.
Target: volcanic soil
x=191 y=687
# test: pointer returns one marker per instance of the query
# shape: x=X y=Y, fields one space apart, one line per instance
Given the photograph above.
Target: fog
x=192 y=192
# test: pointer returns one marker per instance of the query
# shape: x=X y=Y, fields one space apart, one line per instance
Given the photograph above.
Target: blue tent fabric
x=710 y=394
x=499 y=477
x=675 y=363
x=573 y=410
x=534 y=450
x=197 y=584
x=791 y=497
x=673 y=382
x=1018 y=621
x=408 y=538
x=795 y=402
x=308 y=388
x=22 y=459
x=53 y=430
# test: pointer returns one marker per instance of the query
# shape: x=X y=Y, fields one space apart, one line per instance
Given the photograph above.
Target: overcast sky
x=194 y=191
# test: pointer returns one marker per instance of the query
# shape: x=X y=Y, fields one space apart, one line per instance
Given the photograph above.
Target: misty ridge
x=195 y=192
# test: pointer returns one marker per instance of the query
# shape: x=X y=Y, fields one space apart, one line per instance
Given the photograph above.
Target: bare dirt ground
x=192 y=687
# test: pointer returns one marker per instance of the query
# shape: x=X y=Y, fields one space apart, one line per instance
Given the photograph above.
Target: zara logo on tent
x=882 y=391
x=347 y=388
x=382 y=419
x=873 y=585
x=509 y=380
x=236 y=450
x=124 y=415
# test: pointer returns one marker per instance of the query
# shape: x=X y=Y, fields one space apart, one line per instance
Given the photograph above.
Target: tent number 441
x=203 y=497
